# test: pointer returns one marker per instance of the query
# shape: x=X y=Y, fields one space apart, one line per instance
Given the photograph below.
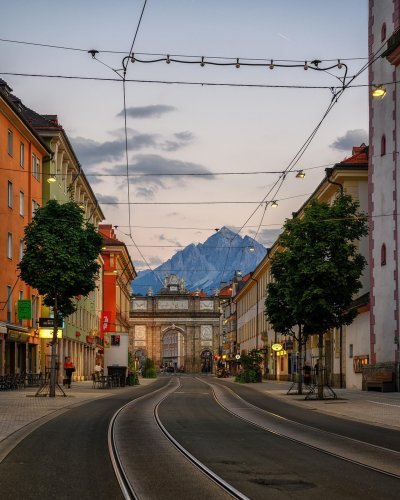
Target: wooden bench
x=383 y=381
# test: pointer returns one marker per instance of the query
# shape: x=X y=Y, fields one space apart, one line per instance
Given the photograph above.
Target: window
x=383 y=32
x=22 y=154
x=20 y=297
x=10 y=194
x=21 y=249
x=21 y=203
x=383 y=255
x=10 y=142
x=35 y=206
x=35 y=166
x=383 y=145
x=9 y=304
x=9 y=246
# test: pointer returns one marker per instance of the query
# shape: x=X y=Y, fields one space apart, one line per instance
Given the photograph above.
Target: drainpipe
x=328 y=172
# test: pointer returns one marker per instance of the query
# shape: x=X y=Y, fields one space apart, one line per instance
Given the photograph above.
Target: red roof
x=359 y=155
x=198 y=294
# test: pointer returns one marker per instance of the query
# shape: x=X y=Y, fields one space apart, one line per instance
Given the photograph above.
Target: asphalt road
x=67 y=458
x=260 y=464
x=387 y=438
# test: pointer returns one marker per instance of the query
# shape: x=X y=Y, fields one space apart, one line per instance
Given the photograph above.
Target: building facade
x=22 y=154
x=384 y=181
x=177 y=329
x=118 y=273
x=346 y=350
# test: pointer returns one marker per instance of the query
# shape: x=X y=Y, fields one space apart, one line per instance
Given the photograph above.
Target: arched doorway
x=206 y=361
x=173 y=347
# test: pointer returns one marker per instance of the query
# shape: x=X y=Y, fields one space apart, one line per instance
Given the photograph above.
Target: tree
x=251 y=367
x=317 y=271
x=60 y=261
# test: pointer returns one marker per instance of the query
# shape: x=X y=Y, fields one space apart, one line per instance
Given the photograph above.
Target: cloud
x=267 y=237
x=151 y=111
x=146 y=192
x=106 y=198
x=156 y=164
x=172 y=241
x=182 y=139
x=152 y=261
x=90 y=152
x=349 y=139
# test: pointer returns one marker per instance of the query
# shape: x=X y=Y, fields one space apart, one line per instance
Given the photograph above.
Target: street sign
x=24 y=309
x=237 y=356
x=277 y=347
x=49 y=323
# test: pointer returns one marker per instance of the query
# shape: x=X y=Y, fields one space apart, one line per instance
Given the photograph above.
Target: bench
x=382 y=381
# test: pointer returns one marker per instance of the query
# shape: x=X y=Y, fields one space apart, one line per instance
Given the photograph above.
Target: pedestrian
x=69 y=368
x=307 y=373
x=98 y=369
x=316 y=371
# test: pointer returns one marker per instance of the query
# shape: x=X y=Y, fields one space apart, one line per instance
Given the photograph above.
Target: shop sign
x=277 y=347
x=24 y=309
x=288 y=345
x=47 y=333
x=49 y=323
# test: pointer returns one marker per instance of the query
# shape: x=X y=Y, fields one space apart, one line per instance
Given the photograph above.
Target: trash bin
x=118 y=372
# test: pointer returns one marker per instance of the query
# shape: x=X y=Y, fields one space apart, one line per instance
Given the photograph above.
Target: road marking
x=385 y=404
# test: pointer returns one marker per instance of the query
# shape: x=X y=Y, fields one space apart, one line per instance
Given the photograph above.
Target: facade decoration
x=178 y=329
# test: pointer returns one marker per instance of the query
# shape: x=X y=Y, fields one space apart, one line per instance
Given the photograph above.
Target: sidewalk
x=376 y=408
x=21 y=412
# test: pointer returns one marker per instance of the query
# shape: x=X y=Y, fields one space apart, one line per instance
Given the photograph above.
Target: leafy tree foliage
x=60 y=255
x=317 y=270
x=251 y=367
x=149 y=370
x=60 y=261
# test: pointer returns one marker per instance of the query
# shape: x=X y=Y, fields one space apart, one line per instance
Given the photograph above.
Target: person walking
x=69 y=368
x=307 y=374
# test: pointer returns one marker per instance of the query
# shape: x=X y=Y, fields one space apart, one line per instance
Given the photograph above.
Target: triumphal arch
x=176 y=328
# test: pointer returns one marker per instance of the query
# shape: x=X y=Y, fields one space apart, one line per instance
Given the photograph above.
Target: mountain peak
x=205 y=265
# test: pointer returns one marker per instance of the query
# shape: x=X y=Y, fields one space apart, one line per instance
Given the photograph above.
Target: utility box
x=116 y=355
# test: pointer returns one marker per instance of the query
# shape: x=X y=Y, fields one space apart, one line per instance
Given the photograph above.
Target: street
x=255 y=462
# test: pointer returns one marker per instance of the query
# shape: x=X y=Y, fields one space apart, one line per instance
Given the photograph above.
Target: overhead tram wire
x=124 y=65
x=152 y=54
x=335 y=97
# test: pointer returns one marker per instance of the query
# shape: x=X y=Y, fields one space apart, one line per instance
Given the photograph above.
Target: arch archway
x=173 y=350
x=206 y=361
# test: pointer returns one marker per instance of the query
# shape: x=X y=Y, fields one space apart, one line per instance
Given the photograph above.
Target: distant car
x=170 y=369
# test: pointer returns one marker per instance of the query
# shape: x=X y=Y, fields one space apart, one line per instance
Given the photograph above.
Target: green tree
x=60 y=261
x=251 y=367
x=316 y=272
x=149 y=370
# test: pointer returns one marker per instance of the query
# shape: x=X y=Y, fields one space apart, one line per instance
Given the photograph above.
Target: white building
x=384 y=181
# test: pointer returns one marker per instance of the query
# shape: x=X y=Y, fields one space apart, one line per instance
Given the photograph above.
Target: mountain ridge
x=205 y=265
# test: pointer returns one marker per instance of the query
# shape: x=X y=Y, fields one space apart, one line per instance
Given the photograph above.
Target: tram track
x=128 y=479
x=379 y=459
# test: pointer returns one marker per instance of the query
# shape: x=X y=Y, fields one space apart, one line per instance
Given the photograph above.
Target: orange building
x=22 y=153
x=118 y=273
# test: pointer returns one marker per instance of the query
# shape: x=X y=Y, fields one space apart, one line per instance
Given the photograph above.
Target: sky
x=222 y=121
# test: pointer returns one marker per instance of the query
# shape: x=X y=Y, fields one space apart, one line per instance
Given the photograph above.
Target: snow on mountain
x=205 y=265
